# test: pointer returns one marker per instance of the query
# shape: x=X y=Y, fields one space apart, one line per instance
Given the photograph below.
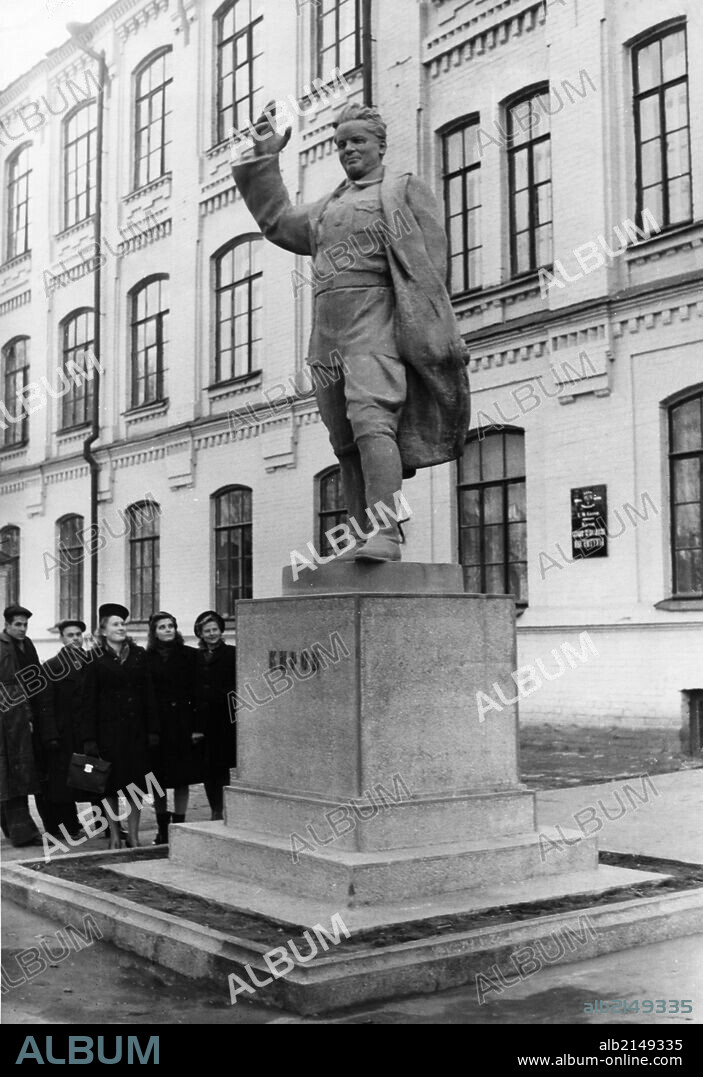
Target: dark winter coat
x=218 y=677
x=176 y=761
x=18 y=770
x=118 y=712
x=60 y=713
x=435 y=419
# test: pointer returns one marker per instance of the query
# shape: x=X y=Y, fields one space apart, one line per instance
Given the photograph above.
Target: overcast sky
x=31 y=28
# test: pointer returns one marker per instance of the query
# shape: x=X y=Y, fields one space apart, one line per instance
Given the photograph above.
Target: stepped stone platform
x=369 y=787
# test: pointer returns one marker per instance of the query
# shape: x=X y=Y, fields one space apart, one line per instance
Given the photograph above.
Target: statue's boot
x=383 y=475
x=355 y=500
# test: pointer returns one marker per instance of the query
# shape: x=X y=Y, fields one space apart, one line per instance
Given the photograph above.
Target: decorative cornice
x=460 y=44
x=141 y=18
x=219 y=200
x=145 y=239
x=17 y=301
x=66 y=474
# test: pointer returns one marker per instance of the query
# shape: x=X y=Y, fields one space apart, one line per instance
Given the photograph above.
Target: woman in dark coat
x=218 y=677
x=178 y=761
x=119 y=717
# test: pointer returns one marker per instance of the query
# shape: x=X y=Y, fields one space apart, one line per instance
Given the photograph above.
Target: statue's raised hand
x=267 y=139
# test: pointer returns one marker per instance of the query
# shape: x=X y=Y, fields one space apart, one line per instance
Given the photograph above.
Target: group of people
x=162 y=711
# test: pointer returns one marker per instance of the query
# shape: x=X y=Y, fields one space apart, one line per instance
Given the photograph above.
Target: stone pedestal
x=365 y=775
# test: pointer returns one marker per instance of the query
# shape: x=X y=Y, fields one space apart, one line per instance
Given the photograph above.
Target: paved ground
x=659 y=817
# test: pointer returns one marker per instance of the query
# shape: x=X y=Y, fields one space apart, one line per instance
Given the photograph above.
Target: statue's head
x=360 y=137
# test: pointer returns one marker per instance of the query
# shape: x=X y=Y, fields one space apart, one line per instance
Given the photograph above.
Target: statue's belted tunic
x=382 y=317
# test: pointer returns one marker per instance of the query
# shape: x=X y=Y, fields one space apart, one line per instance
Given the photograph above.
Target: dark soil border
x=94 y=871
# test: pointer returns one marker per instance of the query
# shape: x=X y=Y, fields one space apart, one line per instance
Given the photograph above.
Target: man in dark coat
x=19 y=777
x=217 y=668
x=59 y=717
x=388 y=362
x=119 y=715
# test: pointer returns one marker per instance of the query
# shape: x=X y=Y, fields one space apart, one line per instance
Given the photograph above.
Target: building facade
x=559 y=139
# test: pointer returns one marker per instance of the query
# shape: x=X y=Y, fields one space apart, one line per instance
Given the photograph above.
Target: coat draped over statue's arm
x=435 y=420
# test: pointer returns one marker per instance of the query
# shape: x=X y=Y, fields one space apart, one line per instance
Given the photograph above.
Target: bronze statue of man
x=395 y=397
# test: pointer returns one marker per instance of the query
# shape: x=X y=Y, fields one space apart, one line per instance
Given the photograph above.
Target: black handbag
x=88 y=773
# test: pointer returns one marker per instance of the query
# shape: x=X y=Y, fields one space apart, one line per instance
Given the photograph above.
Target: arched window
x=150 y=309
x=71 y=556
x=462 y=201
x=239 y=43
x=17 y=186
x=530 y=178
x=144 y=558
x=151 y=118
x=233 y=547
x=660 y=81
x=79 y=163
x=492 y=516
x=238 y=307
x=339 y=33
x=77 y=366
x=15 y=377
x=10 y=562
x=686 y=485
x=331 y=510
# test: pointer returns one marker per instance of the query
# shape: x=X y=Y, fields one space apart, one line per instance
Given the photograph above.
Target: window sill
x=662 y=239
x=19 y=447
x=146 y=411
x=235 y=386
x=160 y=181
x=217 y=149
x=321 y=87
x=67 y=432
x=680 y=604
x=14 y=263
x=73 y=228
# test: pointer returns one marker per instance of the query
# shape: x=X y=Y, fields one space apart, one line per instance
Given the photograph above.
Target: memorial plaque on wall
x=589 y=521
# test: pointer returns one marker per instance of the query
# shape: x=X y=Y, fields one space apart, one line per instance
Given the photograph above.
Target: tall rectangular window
x=233 y=548
x=71 y=555
x=332 y=510
x=238 y=296
x=79 y=164
x=240 y=62
x=339 y=33
x=144 y=559
x=462 y=200
x=10 y=561
x=686 y=484
x=150 y=310
x=18 y=173
x=152 y=124
x=530 y=178
x=492 y=514
x=662 y=128
x=15 y=377
x=76 y=346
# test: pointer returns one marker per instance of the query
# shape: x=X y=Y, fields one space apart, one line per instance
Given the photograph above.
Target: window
x=239 y=37
x=492 y=521
x=18 y=173
x=79 y=164
x=71 y=555
x=76 y=348
x=238 y=292
x=462 y=200
x=151 y=119
x=10 y=562
x=233 y=548
x=339 y=29
x=15 y=373
x=332 y=510
x=530 y=177
x=143 y=559
x=149 y=339
x=686 y=478
x=661 y=128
